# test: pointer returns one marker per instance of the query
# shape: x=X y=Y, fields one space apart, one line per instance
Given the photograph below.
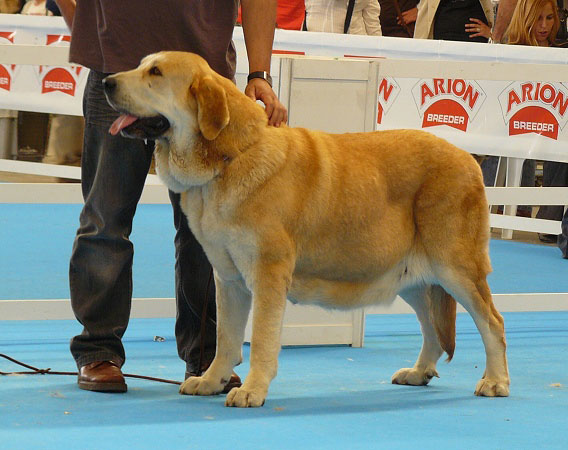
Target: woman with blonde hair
x=534 y=22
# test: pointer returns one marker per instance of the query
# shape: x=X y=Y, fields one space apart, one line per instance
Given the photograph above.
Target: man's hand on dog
x=259 y=89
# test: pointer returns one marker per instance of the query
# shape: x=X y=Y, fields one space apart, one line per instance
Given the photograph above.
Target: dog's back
x=368 y=212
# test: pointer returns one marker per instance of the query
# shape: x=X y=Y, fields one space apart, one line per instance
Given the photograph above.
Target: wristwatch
x=260 y=74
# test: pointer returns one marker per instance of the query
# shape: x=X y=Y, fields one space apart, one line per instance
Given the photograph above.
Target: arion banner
x=525 y=119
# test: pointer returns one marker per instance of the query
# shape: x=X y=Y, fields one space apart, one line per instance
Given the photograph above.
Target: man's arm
x=259 y=21
x=67 y=8
x=504 y=14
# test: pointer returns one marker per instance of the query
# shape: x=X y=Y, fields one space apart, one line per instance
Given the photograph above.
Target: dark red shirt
x=114 y=35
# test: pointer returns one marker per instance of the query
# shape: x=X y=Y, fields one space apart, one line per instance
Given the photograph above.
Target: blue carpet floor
x=36 y=243
x=322 y=398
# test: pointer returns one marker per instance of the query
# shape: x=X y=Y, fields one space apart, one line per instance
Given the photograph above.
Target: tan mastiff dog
x=338 y=220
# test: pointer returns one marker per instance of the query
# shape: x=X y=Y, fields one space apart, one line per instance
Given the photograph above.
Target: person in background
x=109 y=37
x=554 y=174
x=563 y=236
x=51 y=6
x=329 y=16
x=10 y=6
x=536 y=23
x=467 y=21
x=289 y=14
x=398 y=17
x=454 y=20
x=503 y=19
x=35 y=8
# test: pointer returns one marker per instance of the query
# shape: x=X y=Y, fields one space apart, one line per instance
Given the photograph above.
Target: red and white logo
x=8 y=36
x=58 y=39
x=6 y=72
x=59 y=79
x=533 y=107
x=5 y=77
x=388 y=92
x=448 y=101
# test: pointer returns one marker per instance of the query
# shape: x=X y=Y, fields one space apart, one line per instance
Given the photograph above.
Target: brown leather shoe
x=101 y=376
x=234 y=381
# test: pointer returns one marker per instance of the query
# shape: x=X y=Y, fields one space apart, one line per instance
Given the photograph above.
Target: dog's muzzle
x=132 y=126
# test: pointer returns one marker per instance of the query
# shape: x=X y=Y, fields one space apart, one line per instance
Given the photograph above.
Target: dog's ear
x=212 y=107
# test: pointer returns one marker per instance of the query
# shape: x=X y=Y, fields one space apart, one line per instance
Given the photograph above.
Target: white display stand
x=317 y=92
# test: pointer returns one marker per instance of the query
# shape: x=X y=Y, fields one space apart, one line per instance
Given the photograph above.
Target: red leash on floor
x=35 y=371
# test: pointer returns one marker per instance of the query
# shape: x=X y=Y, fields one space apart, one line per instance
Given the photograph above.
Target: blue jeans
x=113 y=173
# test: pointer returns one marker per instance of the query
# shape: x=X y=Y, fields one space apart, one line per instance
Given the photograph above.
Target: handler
x=108 y=37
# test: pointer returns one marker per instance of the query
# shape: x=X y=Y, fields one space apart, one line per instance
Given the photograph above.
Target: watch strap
x=260 y=74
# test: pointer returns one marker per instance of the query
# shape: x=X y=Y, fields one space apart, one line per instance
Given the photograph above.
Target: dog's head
x=199 y=119
x=167 y=91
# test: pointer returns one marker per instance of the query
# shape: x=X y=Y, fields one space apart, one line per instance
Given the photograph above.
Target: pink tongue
x=122 y=122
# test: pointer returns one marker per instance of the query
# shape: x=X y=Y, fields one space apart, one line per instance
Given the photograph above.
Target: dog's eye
x=155 y=71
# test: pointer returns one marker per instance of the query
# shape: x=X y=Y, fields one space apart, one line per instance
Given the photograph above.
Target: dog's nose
x=109 y=84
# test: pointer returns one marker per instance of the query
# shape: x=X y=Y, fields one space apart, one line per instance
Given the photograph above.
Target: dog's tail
x=443 y=317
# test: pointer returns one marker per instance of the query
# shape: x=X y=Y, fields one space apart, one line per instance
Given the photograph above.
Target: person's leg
x=489 y=170
x=563 y=236
x=554 y=174
x=527 y=180
x=100 y=274
x=195 y=297
x=65 y=141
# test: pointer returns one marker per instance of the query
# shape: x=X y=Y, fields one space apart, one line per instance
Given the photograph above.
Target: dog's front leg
x=233 y=307
x=269 y=302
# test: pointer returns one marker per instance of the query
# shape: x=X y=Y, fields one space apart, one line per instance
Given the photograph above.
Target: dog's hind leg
x=475 y=297
x=233 y=307
x=451 y=214
x=435 y=310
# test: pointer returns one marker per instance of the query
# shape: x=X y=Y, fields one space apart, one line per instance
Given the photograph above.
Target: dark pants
x=563 y=237
x=554 y=174
x=489 y=170
x=113 y=173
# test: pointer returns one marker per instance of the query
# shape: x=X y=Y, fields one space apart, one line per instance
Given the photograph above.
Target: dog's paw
x=200 y=386
x=492 y=388
x=414 y=377
x=245 y=398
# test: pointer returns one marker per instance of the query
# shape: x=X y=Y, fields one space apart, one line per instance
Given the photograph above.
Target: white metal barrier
x=481 y=65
